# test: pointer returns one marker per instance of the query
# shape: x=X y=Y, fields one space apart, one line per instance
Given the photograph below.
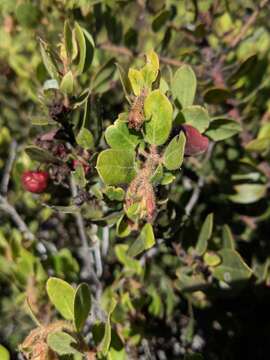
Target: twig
x=5 y=206
x=197 y=190
x=126 y=52
x=8 y=167
x=9 y=209
x=248 y=24
x=105 y=240
x=87 y=256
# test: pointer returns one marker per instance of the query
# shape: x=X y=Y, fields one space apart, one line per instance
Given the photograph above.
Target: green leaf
x=228 y=241
x=258 y=145
x=145 y=241
x=82 y=305
x=211 y=259
x=27 y=15
x=118 y=136
x=174 y=152
x=116 y=167
x=79 y=176
x=67 y=83
x=102 y=78
x=122 y=227
x=86 y=48
x=114 y=193
x=4 y=354
x=82 y=47
x=40 y=155
x=106 y=341
x=232 y=268
x=124 y=81
x=216 y=95
x=90 y=47
x=196 y=116
x=48 y=61
x=85 y=138
x=62 y=343
x=184 y=85
x=150 y=69
x=243 y=68
x=130 y=263
x=136 y=80
x=158 y=110
x=205 y=234
x=68 y=40
x=160 y=20
x=248 y=193
x=221 y=129
x=61 y=295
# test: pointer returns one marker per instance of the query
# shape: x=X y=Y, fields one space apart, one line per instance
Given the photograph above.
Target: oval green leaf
x=118 y=136
x=174 y=152
x=196 y=116
x=205 y=234
x=158 y=110
x=116 y=166
x=184 y=85
x=61 y=294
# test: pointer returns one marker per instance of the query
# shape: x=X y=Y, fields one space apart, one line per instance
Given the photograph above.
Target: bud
x=35 y=181
x=196 y=143
x=76 y=163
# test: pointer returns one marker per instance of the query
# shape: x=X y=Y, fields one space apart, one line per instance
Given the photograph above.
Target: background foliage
x=204 y=287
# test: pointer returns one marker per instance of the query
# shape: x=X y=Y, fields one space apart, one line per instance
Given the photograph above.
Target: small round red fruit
x=35 y=181
x=196 y=143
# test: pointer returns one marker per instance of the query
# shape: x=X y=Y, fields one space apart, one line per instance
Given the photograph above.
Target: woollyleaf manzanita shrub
x=125 y=170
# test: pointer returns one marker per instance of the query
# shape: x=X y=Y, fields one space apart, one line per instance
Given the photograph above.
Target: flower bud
x=76 y=163
x=196 y=143
x=35 y=181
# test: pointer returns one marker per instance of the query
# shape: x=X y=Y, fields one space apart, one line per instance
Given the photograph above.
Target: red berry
x=76 y=162
x=35 y=181
x=196 y=143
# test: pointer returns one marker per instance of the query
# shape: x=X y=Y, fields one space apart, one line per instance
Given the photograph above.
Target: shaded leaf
x=232 y=267
x=228 y=241
x=85 y=138
x=82 y=305
x=216 y=95
x=62 y=343
x=248 y=193
x=196 y=116
x=145 y=241
x=174 y=152
x=40 y=155
x=184 y=85
x=67 y=83
x=136 y=80
x=221 y=129
x=205 y=234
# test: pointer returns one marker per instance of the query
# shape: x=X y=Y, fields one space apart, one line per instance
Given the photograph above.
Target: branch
x=6 y=207
x=126 y=52
x=197 y=190
x=248 y=24
x=8 y=167
x=87 y=255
